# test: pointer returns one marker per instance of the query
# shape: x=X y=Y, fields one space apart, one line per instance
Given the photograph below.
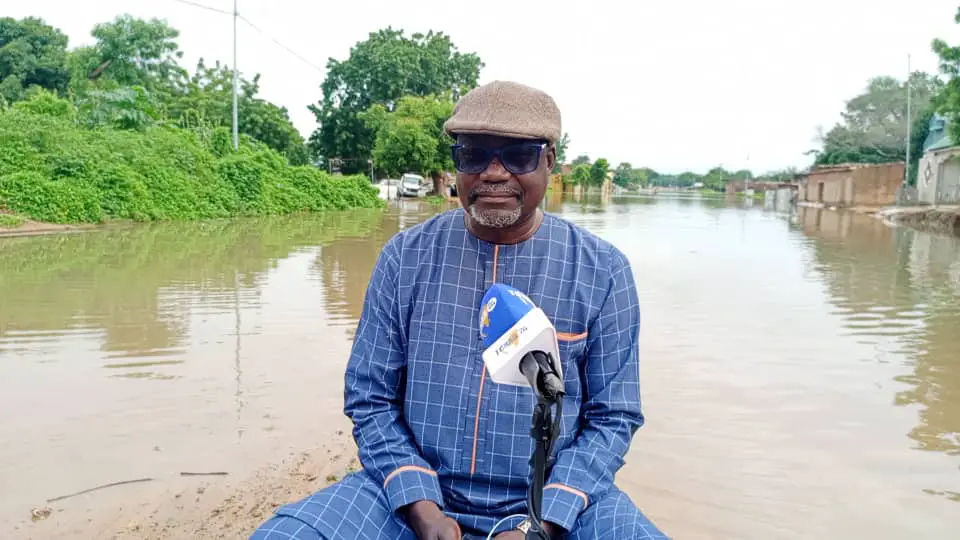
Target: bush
x=31 y=194
x=52 y=169
x=11 y=221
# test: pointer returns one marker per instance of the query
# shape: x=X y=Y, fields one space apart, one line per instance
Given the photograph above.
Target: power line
x=256 y=28
x=201 y=6
x=288 y=49
x=235 y=14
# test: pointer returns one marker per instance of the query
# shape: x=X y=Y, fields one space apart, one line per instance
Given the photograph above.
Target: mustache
x=494 y=188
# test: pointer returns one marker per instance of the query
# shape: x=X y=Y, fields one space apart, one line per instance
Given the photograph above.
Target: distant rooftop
x=938 y=138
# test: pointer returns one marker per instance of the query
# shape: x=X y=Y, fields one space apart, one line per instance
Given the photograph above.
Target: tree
x=580 y=175
x=642 y=176
x=623 y=175
x=874 y=125
x=207 y=96
x=647 y=175
x=947 y=102
x=598 y=172
x=782 y=175
x=129 y=107
x=582 y=159
x=32 y=54
x=411 y=138
x=686 y=179
x=133 y=52
x=562 y=146
x=381 y=70
x=716 y=179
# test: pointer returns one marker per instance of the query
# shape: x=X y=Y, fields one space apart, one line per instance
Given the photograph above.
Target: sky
x=675 y=86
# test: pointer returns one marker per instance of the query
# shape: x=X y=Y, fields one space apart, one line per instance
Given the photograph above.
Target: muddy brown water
x=801 y=372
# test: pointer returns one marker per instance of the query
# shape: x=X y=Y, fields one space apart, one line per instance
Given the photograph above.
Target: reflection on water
x=899 y=291
x=238 y=325
x=801 y=372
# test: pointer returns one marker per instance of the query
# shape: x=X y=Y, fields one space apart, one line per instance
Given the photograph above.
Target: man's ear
x=551 y=157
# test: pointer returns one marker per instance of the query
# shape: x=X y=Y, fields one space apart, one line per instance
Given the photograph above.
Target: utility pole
x=236 y=132
x=906 y=168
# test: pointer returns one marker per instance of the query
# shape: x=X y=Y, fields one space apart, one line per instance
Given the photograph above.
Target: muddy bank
x=943 y=219
x=198 y=507
x=11 y=226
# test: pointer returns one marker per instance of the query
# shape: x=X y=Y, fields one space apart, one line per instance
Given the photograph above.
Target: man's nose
x=495 y=172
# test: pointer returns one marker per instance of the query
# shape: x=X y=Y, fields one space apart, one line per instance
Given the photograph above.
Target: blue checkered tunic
x=429 y=422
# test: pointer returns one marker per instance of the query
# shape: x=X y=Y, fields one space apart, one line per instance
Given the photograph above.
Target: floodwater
x=801 y=373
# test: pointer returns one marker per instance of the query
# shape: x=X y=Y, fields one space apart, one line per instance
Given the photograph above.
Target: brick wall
x=854 y=185
x=877 y=185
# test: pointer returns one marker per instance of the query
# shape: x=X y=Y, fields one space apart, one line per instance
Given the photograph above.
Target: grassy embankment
x=54 y=170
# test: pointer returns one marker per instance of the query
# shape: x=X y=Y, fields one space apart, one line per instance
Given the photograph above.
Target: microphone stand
x=537 y=367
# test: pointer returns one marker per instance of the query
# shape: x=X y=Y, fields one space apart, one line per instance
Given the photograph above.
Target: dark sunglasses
x=518 y=158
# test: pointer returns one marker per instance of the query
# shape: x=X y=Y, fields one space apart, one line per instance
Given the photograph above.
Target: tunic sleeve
x=374 y=393
x=611 y=413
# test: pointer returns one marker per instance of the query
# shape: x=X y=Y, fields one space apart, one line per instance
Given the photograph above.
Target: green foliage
x=11 y=221
x=583 y=173
x=380 y=71
x=121 y=108
x=135 y=52
x=561 y=146
x=130 y=78
x=411 y=139
x=948 y=101
x=580 y=175
x=32 y=54
x=35 y=195
x=627 y=177
x=42 y=101
x=874 y=125
x=52 y=169
x=435 y=200
x=207 y=98
x=598 y=172
x=682 y=180
x=781 y=175
x=716 y=179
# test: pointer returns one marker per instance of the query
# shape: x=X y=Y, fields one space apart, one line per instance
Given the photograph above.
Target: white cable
x=499 y=523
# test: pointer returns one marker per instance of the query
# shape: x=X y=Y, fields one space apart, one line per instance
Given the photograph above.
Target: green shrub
x=56 y=201
x=53 y=169
x=11 y=221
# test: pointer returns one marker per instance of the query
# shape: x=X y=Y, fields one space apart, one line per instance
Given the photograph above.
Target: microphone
x=520 y=343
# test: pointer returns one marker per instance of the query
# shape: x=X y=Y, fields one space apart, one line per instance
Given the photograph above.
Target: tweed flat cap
x=507 y=109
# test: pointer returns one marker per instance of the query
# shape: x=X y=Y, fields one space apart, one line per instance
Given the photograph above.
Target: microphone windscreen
x=501 y=308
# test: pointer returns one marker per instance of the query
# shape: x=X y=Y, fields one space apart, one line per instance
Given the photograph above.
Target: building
x=853 y=184
x=938 y=174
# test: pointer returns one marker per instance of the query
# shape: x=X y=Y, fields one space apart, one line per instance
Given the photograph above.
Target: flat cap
x=507 y=109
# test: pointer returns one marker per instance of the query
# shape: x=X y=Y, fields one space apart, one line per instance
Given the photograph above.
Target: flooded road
x=801 y=374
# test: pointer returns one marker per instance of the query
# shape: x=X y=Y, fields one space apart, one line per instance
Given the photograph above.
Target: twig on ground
x=138 y=480
x=104 y=486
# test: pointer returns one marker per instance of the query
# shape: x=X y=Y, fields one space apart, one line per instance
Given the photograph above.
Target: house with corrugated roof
x=938 y=173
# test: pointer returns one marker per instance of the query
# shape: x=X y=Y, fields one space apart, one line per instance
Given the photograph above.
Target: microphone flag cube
x=511 y=325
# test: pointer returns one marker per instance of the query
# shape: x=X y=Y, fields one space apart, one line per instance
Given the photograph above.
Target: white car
x=411 y=185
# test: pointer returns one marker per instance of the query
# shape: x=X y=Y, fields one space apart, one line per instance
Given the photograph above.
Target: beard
x=494 y=218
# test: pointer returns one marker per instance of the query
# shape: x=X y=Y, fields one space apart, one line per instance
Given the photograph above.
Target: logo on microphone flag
x=502 y=307
x=511 y=325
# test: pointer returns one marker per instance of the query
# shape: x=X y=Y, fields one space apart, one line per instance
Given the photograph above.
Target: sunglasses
x=518 y=158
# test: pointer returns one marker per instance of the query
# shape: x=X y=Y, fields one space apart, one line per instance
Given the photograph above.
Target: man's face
x=500 y=191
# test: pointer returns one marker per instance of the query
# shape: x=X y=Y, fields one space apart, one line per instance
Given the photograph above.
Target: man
x=445 y=451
